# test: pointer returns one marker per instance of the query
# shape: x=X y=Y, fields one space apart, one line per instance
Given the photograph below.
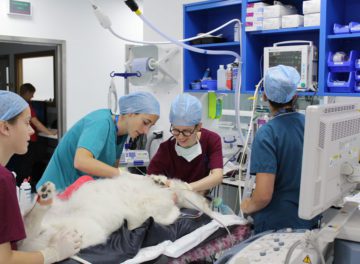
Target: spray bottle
x=25 y=195
x=229 y=77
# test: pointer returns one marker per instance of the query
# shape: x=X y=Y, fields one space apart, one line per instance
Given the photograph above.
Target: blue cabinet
x=204 y=16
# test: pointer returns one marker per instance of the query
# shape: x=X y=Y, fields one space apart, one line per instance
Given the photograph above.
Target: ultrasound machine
x=330 y=171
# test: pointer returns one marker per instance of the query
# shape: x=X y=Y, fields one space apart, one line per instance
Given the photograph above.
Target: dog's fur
x=100 y=207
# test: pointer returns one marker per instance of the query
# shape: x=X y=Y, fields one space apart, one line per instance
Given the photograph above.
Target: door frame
x=60 y=70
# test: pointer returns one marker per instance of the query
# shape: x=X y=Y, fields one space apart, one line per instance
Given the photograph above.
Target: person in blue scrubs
x=276 y=157
x=94 y=144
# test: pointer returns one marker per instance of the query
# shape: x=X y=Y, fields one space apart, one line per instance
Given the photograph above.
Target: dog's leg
x=34 y=218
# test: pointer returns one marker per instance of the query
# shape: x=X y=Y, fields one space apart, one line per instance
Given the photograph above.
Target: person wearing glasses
x=193 y=154
x=94 y=144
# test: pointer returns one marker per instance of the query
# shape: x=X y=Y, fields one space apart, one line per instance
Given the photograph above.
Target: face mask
x=189 y=153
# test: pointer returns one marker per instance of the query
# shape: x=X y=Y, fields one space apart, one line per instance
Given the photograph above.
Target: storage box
x=254 y=26
x=341 y=82
x=278 y=11
x=343 y=66
x=272 y=23
x=311 y=7
x=311 y=20
x=255 y=5
x=291 y=21
x=251 y=17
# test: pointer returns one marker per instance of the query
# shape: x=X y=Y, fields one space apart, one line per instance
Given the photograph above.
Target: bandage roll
x=142 y=65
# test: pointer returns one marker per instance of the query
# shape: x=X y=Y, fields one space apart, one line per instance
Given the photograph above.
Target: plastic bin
x=195 y=85
x=341 y=29
x=357 y=87
x=354 y=27
x=357 y=64
x=357 y=75
x=341 y=82
x=344 y=66
x=209 y=85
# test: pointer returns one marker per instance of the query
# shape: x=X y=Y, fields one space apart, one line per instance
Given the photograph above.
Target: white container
x=25 y=194
x=253 y=26
x=229 y=77
x=250 y=17
x=291 y=21
x=272 y=23
x=221 y=78
x=236 y=32
x=311 y=7
x=311 y=20
x=278 y=11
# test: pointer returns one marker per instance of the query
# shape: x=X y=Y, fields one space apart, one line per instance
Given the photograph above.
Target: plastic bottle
x=236 y=32
x=235 y=69
x=221 y=78
x=25 y=194
x=229 y=77
x=223 y=208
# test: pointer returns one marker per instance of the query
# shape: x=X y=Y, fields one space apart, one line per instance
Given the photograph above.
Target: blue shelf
x=206 y=5
x=218 y=45
x=342 y=94
x=284 y=31
x=207 y=15
x=344 y=36
x=209 y=91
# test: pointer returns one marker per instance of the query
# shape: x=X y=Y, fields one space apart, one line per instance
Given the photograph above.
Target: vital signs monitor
x=304 y=58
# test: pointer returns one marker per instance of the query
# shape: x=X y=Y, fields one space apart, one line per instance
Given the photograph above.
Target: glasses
x=185 y=133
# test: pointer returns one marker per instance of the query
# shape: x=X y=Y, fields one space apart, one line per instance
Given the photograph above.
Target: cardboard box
x=278 y=11
x=272 y=23
x=311 y=20
x=251 y=17
x=254 y=26
x=291 y=21
x=311 y=7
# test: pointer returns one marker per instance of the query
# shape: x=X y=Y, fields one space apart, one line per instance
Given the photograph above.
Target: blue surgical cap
x=139 y=103
x=280 y=83
x=11 y=104
x=185 y=111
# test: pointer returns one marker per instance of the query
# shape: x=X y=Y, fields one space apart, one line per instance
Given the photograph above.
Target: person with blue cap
x=276 y=157
x=94 y=144
x=15 y=132
x=193 y=154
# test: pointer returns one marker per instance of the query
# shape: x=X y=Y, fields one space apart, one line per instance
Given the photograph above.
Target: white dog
x=100 y=207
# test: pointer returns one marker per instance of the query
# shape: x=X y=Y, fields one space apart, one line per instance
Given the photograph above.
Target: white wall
x=172 y=13
x=91 y=52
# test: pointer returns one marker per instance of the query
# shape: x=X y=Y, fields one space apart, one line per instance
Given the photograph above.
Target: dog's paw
x=160 y=179
x=179 y=185
x=46 y=193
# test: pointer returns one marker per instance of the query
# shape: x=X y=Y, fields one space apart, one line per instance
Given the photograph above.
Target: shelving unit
x=203 y=16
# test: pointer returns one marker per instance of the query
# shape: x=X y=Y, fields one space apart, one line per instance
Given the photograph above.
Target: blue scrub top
x=95 y=132
x=277 y=149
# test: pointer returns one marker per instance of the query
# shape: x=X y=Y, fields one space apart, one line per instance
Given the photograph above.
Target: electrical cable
x=106 y=23
x=247 y=140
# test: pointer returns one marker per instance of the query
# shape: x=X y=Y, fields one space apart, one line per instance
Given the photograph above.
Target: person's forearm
x=214 y=179
x=95 y=167
x=253 y=204
x=40 y=127
x=19 y=257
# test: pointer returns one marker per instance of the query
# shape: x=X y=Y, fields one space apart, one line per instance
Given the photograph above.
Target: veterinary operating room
x=181 y=131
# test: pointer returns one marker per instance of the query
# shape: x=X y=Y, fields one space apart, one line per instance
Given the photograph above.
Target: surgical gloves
x=63 y=245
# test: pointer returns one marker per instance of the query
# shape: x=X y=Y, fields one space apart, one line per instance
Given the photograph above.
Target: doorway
x=42 y=63
x=12 y=49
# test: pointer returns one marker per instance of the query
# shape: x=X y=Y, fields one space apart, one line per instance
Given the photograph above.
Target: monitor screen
x=288 y=58
x=331 y=141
